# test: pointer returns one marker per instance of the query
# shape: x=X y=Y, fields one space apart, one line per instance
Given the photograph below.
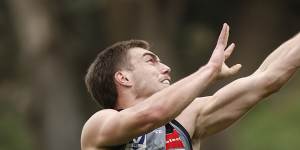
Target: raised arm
x=282 y=50
x=232 y=101
x=109 y=127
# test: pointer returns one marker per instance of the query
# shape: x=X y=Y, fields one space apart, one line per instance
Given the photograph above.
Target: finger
x=223 y=37
x=235 y=69
x=218 y=53
x=227 y=33
x=229 y=50
x=222 y=40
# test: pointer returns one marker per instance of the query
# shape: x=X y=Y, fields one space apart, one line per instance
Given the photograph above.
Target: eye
x=150 y=60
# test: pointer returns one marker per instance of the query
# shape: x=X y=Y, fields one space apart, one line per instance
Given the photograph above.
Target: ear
x=122 y=78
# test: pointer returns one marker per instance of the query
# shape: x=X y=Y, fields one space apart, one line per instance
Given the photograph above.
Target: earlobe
x=122 y=78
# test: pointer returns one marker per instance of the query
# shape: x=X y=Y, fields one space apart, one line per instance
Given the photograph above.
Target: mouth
x=166 y=81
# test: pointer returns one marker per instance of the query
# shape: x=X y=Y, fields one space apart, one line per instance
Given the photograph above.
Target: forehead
x=137 y=52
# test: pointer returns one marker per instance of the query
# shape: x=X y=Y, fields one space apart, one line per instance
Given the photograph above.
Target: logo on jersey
x=173 y=141
x=138 y=143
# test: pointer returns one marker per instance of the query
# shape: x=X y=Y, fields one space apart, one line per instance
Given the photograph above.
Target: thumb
x=235 y=69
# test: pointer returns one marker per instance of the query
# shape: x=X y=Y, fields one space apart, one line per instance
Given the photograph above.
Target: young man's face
x=148 y=75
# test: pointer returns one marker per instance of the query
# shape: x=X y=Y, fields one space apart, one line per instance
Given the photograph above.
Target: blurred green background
x=46 y=47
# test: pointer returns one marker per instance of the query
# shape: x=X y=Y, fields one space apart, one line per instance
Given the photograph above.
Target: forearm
x=171 y=101
x=176 y=98
x=244 y=93
x=272 y=57
x=228 y=105
x=279 y=53
x=234 y=100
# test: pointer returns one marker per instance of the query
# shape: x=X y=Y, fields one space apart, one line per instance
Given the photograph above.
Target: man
x=143 y=111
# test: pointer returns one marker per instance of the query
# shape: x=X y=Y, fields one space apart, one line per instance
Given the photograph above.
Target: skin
x=149 y=103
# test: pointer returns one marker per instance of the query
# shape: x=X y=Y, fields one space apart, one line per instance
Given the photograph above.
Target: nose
x=165 y=69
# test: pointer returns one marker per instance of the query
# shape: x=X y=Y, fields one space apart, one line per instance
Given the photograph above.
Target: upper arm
x=109 y=127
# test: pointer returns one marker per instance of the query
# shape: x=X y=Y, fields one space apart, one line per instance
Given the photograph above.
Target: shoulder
x=90 y=130
x=189 y=116
x=104 y=113
x=99 y=117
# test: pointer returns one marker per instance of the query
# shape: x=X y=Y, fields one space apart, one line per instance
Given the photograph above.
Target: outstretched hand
x=229 y=71
x=220 y=54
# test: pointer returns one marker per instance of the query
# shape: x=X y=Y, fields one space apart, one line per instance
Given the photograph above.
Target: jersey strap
x=184 y=136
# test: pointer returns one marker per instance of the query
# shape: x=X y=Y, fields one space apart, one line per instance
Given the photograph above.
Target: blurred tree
x=52 y=110
x=152 y=20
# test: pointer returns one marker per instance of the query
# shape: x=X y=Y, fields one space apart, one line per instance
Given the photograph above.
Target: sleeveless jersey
x=172 y=136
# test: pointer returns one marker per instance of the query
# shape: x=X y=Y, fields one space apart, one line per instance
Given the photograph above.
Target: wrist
x=211 y=70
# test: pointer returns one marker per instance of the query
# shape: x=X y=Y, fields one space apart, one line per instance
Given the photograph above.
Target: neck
x=128 y=97
x=128 y=100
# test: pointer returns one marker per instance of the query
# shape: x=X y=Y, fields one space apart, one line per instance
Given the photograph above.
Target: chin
x=165 y=86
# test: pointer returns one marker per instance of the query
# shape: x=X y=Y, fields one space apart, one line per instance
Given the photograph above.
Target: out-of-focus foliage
x=272 y=125
x=46 y=47
x=14 y=130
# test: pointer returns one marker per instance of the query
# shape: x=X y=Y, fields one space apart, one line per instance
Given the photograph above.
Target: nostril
x=169 y=69
x=165 y=68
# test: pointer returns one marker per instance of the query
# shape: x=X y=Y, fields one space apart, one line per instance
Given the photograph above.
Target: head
x=125 y=66
x=147 y=74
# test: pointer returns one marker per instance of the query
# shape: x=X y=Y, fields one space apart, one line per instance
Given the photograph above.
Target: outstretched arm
x=156 y=110
x=232 y=101
x=279 y=53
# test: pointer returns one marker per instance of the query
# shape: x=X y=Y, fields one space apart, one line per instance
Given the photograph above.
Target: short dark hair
x=99 y=79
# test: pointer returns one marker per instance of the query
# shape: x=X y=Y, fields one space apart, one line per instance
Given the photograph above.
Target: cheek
x=145 y=75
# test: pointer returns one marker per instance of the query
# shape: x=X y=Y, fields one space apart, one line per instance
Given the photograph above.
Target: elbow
x=275 y=77
x=271 y=84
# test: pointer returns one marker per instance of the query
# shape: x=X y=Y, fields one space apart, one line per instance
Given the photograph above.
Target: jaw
x=165 y=86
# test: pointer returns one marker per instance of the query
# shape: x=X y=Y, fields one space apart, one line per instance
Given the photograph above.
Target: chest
x=168 y=137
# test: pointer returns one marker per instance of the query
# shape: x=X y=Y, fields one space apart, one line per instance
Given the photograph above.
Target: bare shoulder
x=102 y=114
x=92 y=129
x=98 y=118
x=109 y=128
x=188 y=117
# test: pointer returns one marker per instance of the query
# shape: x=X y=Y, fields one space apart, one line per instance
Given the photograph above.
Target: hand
x=225 y=70
x=219 y=55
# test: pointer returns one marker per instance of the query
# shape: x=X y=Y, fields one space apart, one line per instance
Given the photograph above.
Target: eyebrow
x=152 y=55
